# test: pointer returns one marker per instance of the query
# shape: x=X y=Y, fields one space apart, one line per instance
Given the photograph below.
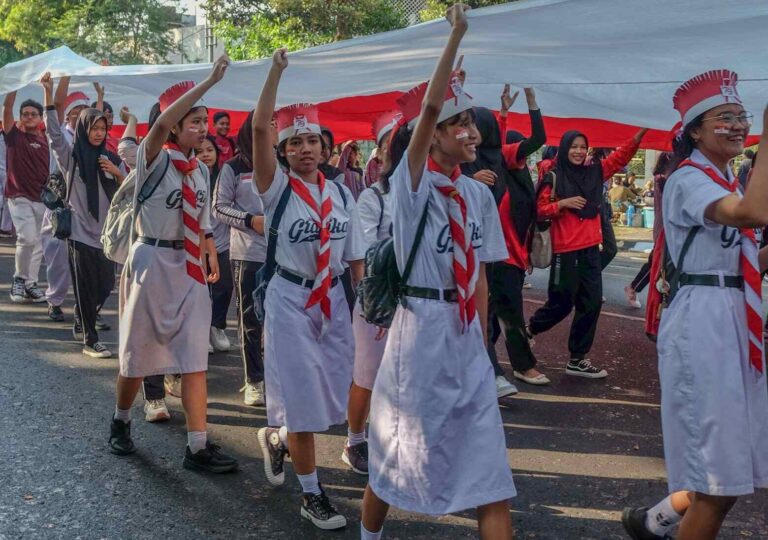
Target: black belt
x=173 y=244
x=447 y=295
x=298 y=280
x=712 y=280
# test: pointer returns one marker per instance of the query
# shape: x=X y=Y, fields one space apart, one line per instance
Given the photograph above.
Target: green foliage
x=253 y=29
x=437 y=8
x=118 y=31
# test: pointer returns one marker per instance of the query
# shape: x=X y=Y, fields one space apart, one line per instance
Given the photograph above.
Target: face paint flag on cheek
x=462 y=134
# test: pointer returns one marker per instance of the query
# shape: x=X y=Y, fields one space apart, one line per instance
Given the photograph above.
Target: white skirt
x=714 y=409
x=368 y=351
x=436 y=442
x=165 y=315
x=307 y=377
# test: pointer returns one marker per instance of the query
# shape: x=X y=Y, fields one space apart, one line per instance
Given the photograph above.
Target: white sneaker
x=504 y=388
x=172 y=384
x=254 y=393
x=527 y=284
x=219 y=340
x=631 y=296
x=156 y=411
x=98 y=350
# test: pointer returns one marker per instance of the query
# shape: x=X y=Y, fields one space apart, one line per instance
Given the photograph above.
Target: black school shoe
x=633 y=520
x=209 y=459
x=319 y=510
x=120 y=442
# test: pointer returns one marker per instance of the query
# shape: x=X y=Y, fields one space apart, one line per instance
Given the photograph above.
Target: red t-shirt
x=27 y=164
x=227 y=149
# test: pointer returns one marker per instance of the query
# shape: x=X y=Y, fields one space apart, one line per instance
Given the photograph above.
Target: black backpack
x=380 y=290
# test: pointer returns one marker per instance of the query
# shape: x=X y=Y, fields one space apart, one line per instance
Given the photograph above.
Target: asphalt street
x=580 y=450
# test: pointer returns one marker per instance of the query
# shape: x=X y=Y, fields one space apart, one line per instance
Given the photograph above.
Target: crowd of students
x=450 y=185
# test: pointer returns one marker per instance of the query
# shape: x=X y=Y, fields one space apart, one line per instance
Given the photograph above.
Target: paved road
x=580 y=450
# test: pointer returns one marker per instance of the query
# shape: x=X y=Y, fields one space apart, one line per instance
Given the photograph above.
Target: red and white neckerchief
x=189 y=212
x=463 y=253
x=753 y=292
x=321 y=216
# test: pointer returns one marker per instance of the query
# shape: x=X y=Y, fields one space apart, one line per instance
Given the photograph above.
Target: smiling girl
x=309 y=347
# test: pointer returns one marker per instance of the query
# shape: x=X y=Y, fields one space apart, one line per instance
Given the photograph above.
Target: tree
x=118 y=31
x=437 y=8
x=254 y=29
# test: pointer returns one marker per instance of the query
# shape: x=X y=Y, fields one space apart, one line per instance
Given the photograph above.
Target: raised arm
x=8 y=119
x=264 y=159
x=60 y=99
x=62 y=150
x=418 y=149
x=752 y=209
x=172 y=115
x=538 y=135
x=127 y=148
x=99 y=96
x=620 y=157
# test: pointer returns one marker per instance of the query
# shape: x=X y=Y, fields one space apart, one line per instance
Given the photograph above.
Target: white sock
x=662 y=517
x=283 y=434
x=122 y=415
x=365 y=534
x=196 y=440
x=309 y=483
x=355 y=438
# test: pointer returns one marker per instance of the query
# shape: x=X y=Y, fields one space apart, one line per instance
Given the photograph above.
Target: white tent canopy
x=604 y=59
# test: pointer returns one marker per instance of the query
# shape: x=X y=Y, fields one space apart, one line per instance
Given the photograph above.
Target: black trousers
x=349 y=291
x=574 y=282
x=221 y=293
x=610 y=249
x=153 y=387
x=93 y=278
x=248 y=325
x=643 y=276
x=505 y=311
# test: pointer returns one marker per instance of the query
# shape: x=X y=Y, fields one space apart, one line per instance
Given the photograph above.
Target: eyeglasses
x=745 y=118
x=30 y=115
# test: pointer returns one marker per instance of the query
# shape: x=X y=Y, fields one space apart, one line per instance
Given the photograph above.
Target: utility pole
x=210 y=41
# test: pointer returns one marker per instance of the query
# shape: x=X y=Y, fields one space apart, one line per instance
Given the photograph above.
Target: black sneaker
x=274 y=452
x=34 y=293
x=356 y=456
x=97 y=350
x=55 y=313
x=633 y=520
x=18 y=293
x=584 y=368
x=77 y=329
x=120 y=441
x=101 y=325
x=319 y=510
x=209 y=459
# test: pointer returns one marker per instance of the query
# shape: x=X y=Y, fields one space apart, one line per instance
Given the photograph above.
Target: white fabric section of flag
x=618 y=61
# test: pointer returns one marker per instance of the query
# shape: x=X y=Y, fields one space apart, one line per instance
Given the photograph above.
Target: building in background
x=194 y=38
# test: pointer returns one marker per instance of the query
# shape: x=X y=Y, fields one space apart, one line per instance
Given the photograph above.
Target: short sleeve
x=355 y=246
x=407 y=201
x=370 y=210
x=494 y=247
x=270 y=197
x=687 y=194
x=143 y=170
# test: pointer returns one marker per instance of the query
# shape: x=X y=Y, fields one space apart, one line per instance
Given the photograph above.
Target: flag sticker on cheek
x=720 y=129
x=462 y=134
x=290 y=153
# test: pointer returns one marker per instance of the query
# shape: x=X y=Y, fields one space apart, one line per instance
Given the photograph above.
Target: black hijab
x=245 y=143
x=86 y=157
x=579 y=180
x=518 y=184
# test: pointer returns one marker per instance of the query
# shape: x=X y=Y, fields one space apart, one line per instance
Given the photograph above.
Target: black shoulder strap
x=274 y=228
x=381 y=204
x=414 y=249
x=341 y=192
x=686 y=246
x=151 y=183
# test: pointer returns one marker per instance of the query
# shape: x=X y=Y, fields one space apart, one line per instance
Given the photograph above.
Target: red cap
x=297 y=119
x=704 y=92
x=456 y=101
x=385 y=123
x=75 y=99
x=173 y=93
